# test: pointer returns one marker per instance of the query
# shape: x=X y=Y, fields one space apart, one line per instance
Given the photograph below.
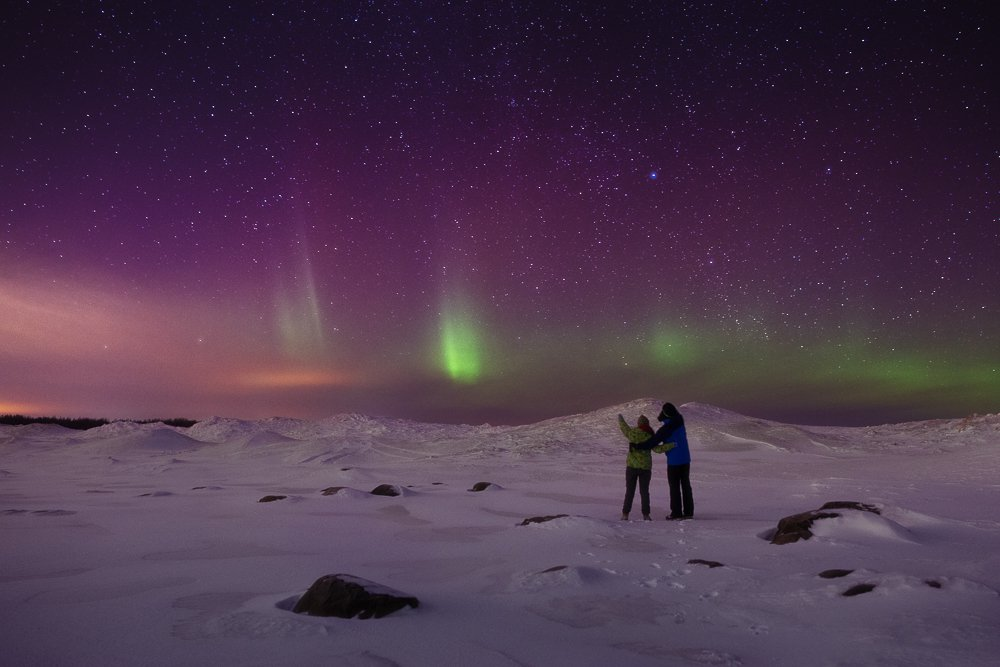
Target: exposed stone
x=932 y=583
x=554 y=568
x=834 y=574
x=332 y=490
x=481 y=486
x=541 y=519
x=386 y=490
x=347 y=596
x=709 y=563
x=271 y=499
x=797 y=526
x=858 y=589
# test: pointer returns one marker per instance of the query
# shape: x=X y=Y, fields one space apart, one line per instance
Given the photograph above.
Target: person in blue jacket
x=678 y=460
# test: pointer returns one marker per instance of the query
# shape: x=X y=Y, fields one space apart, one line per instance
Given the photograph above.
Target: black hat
x=667 y=412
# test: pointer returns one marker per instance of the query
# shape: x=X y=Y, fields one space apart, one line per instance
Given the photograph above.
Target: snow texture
x=145 y=544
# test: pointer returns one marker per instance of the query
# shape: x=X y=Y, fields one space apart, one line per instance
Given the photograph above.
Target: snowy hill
x=149 y=544
x=710 y=428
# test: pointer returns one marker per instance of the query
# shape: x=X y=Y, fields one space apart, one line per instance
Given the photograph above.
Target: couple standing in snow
x=670 y=438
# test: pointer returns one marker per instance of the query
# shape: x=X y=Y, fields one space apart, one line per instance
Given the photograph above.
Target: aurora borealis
x=499 y=212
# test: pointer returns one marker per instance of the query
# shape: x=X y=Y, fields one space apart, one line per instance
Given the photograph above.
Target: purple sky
x=499 y=211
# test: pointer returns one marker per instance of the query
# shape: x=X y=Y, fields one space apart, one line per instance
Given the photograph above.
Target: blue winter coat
x=673 y=431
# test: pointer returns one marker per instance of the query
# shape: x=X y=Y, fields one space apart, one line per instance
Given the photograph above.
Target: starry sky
x=499 y=211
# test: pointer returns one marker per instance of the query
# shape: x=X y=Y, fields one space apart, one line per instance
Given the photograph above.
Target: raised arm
x=623 y=425
x=632 y=434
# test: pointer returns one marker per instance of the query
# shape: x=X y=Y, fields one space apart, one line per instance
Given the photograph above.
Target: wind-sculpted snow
x=149 y=544
x=142 y=437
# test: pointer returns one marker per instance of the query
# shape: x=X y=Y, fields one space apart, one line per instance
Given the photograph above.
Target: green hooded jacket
x=638 y=458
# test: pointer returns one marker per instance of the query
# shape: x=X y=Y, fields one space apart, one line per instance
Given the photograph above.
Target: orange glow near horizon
x=11 y=408
x=290 y=379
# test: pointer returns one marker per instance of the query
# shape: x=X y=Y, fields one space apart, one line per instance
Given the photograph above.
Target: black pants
x=633 y=475
x=681 y=500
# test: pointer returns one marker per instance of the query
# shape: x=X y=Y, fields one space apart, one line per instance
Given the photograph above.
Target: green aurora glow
x=461 y=349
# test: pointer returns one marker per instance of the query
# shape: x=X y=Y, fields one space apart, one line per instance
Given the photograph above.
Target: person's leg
x=686 y=496
x=630 y=480
x=673 y=479
x=644 y=477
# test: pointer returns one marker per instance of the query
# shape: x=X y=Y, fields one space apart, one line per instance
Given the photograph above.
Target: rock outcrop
x=347 y=596
x=834 y=573
x=797 y=526
x=541 y=519
x=859 y=589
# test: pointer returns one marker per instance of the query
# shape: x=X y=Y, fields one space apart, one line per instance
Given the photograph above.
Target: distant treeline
x=83 y=423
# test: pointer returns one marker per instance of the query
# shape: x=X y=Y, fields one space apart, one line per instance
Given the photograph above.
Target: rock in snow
x=797 y=526
x=835 y=573
x=347 y=596
x=481 y=486
x=541 y=519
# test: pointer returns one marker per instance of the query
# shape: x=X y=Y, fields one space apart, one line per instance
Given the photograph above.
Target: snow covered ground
x=146 y=545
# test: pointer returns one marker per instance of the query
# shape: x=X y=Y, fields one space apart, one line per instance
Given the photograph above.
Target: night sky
x=499 y=211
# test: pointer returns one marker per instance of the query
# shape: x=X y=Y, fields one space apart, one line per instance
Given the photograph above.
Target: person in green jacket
x=639 y=464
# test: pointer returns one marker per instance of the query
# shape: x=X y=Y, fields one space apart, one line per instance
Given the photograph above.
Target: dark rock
x=332 y=490
x=386 y=490
x=797 y=526
x=554 y=568
x=858 y=589
x=709 y=563
x=271 y=499
x=834 y=574
x=347 y=596
x=481 y=486
x=932 y=583
x=541 y=519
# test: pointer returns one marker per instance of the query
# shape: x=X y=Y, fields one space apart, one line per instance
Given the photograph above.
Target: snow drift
x=146 y=544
